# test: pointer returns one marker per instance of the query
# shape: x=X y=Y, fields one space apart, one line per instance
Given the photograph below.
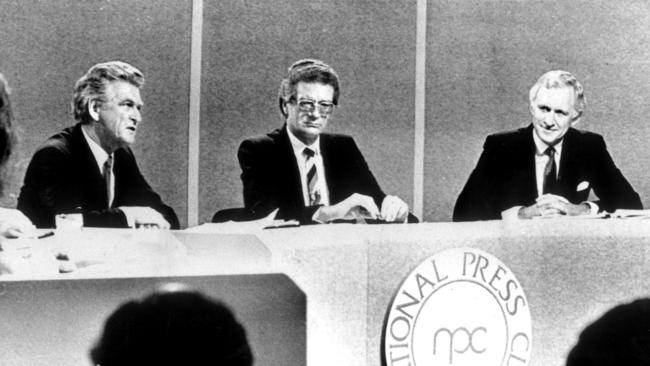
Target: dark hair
x=620 y=337
x=308 y=71
x=92 y=86
x=173 y=328
x=7 y=137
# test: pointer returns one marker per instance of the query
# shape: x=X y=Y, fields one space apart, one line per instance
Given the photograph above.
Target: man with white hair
x=547 y=168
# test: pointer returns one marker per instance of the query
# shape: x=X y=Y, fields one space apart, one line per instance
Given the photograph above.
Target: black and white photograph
x=345 y=182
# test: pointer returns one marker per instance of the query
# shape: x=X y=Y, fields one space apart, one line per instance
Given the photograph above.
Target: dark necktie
x=550 y=173
x=312 y=177
x=108 y=168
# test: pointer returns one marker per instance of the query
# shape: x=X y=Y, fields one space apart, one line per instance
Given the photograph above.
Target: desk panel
x=56 y=322
x=572 y=271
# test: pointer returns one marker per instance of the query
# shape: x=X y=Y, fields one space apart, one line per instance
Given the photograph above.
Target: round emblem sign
x=459 y=307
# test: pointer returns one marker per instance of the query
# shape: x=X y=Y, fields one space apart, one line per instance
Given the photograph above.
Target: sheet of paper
x=242 y=227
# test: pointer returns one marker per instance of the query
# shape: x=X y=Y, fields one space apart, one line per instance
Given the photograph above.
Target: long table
x=572 y=271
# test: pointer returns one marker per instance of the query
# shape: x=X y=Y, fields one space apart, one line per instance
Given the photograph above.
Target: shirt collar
x=299 y=146
x=541 y=146
x=98 y=152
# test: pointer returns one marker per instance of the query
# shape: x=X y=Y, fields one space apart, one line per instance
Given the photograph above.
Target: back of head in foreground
x=181 y=327
x=620 y=337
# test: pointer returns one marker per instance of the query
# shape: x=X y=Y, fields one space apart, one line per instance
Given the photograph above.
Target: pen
x=47 y=234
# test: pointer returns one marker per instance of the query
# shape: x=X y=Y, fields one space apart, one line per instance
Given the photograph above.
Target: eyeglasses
x=309 y=106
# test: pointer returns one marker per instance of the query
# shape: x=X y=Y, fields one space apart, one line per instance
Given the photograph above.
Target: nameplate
x=459 y=307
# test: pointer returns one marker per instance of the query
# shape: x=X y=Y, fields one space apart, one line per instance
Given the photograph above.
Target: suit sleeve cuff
x=316 y=216
x=130 y=218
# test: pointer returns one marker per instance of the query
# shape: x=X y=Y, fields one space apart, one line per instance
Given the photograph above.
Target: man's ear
x=283 y=107
x=576 y=119
x=93 y=109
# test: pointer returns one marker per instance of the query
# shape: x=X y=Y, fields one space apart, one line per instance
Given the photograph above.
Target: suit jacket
x=63 y=177
x=504 y=176
x=271 y=176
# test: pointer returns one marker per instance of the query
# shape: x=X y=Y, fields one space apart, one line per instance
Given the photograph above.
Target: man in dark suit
x=310 y=175
x=89 y=168
x=547 y=168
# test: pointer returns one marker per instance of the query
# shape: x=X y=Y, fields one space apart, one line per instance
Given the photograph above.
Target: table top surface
x=571 y=270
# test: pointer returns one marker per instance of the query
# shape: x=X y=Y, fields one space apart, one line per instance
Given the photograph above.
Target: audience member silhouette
x=620 y=337
x=173 y=327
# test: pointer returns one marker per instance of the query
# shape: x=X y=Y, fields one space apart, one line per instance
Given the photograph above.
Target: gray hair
x=92 y=86
x=561 y=79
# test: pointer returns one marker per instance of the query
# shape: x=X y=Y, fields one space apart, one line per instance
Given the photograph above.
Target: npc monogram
x=459 y=307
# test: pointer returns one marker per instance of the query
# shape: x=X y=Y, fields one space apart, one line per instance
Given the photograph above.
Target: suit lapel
x=569 y=164
x=93 y=181
x=528 y=177
x=122 y=171
x=326 y=154
x=292 y=182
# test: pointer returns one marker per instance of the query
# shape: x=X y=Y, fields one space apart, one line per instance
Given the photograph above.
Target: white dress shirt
x=100 y=157
x=298 y=149
x=541 y=159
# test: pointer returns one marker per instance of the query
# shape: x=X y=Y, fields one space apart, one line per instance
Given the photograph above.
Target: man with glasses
x=548 y=168
x=309 y=175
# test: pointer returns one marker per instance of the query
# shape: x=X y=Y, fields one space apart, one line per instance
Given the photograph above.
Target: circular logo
x=459 y=307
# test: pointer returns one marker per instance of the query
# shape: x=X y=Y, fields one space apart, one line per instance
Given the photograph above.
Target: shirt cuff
x=593 y=208
x=511 y=213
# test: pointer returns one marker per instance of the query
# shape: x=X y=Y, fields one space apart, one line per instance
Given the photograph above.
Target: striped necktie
x=108 y=179
x=550 y=173
x=312 y=177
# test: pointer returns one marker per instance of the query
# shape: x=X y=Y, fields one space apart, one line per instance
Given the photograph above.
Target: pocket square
x=582 y=186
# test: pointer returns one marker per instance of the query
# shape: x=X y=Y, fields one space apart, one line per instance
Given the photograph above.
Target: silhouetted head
x=180 y=327
x=620 y=337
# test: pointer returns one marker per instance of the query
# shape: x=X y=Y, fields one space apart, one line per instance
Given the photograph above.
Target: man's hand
x=394 y=209
x=356 y=206
x=14 y=224
x=550 y=205
x=144 y=217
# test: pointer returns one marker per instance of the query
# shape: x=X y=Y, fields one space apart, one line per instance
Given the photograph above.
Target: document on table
x=631 y=214
x=242 y=227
